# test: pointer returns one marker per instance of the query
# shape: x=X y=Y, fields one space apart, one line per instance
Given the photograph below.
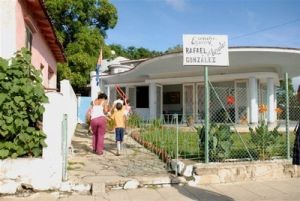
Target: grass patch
x=188 y=144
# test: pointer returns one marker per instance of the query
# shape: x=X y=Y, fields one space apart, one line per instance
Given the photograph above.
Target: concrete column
x=94 y=88
x=253 y=100
x=152 y=100
x=271 y=101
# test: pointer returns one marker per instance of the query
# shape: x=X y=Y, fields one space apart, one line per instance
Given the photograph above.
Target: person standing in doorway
x=296 y=150
x=98 y=122
x=119 y=119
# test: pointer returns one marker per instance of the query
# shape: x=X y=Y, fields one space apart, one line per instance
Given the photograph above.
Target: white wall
x=7 y=28
x=69 y=105
x=144 y=113
x=42 y=173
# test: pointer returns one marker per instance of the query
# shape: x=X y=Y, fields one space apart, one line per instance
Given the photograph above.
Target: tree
x=132 y=52
x=81 y=27
x=176 y=48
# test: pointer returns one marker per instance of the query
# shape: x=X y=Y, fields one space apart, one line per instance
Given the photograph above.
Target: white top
x=97 y=111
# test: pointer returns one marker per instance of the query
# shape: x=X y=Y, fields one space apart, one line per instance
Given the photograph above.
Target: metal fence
x=231 y=136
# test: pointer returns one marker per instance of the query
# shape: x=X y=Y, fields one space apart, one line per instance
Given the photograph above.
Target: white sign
x=205 y=50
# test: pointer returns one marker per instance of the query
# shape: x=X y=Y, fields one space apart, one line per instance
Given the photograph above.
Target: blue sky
x=159 y=24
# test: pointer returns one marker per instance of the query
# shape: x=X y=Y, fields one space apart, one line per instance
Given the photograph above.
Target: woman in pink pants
x=98 y=122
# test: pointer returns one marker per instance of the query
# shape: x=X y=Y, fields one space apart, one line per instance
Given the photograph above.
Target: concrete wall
x=41 y=173
x=7 y=28
x=44 y=173
x=69 y=105
x=214 y=173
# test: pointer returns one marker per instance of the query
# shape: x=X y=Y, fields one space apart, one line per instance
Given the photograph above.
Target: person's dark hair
x=102 y=96
x=119 y=106
x=298 y=89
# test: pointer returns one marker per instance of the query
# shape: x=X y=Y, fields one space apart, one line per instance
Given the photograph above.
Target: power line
x=266 y=29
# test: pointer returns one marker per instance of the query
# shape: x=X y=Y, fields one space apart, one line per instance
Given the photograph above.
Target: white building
x=163 y=85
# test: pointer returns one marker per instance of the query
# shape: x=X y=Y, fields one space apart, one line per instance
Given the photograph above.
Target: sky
x=160 y=24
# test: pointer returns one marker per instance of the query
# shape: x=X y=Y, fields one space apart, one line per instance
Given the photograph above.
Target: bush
x=220 y=141
x=21 y=109
x=264 y=140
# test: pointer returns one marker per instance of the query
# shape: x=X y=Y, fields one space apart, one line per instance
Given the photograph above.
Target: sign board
x=205 y=50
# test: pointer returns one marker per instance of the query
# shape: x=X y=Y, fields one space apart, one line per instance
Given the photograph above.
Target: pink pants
x=98 y=127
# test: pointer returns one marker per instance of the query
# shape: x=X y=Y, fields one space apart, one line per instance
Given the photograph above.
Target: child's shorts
x=119 y=134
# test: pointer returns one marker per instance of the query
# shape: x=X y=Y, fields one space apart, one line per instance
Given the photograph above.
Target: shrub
x=21 y=109
x=220 y=141
x=264 y=140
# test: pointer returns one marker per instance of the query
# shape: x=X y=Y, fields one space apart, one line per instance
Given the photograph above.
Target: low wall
x=35 y=173
x=214 y=173
x=43 y=173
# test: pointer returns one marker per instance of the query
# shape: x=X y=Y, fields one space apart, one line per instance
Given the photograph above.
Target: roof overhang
x=46 y=28
x=241 y=60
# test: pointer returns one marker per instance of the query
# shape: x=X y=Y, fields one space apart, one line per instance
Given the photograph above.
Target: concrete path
x=284 y=190
x=135 y=161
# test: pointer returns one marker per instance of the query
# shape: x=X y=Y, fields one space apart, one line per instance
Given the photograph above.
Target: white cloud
x=178 y=5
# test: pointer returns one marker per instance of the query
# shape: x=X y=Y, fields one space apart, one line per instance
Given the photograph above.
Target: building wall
x=7 y=28
x=42 y=57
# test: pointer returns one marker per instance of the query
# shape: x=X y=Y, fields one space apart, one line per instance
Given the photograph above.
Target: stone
x=65 y=187
x=196 y=178
x=131 y=184
x=81 y=188
x=188 y=171
x=179 y=166
x=225 y=175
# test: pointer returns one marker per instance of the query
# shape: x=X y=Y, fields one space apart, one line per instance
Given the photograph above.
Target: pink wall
x=41 y=53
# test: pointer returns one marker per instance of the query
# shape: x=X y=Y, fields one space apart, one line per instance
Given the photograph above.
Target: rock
x=179 y=166
x=132 y=184
x=65 y=186
x=188 y=171
x=82 y=188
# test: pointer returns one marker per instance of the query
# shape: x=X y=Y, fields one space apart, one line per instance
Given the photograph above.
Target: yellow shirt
x=119 y=118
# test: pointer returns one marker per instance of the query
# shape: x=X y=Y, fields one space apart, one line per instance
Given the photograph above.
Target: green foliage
x=220 y=141
x=156 y=123
x=264 y=140
x=81 y=27
x=21 y=98
x=176 y=48
x=134 y=121
x=133 y=52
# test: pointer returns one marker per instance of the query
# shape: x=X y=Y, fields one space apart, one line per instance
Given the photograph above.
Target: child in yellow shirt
x=119 y=118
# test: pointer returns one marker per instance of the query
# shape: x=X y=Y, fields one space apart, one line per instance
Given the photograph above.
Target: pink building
x=26 y=23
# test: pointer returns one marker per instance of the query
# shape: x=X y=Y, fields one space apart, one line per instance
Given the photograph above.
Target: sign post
x=205 y=50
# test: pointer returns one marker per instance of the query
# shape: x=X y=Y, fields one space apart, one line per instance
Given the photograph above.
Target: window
x=142 y=97
x=28 y=42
